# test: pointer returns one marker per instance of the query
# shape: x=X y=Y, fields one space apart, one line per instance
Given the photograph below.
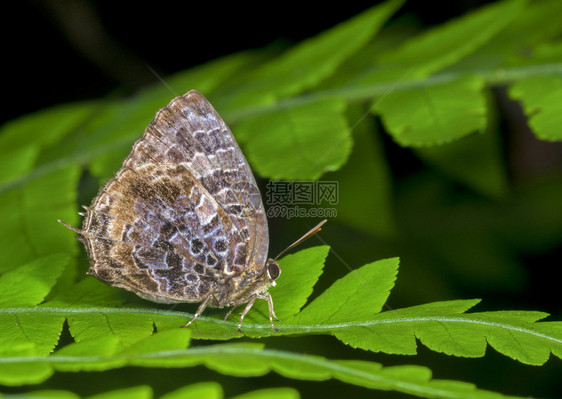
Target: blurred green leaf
x=513 y=45
x=434 y=115
x=138 y=392
x=307 y=63
x=245 y=360
x=298 y=143
x=364 y=182
x=100 y=349
x=29 y=215
x=22 y=139
x=168 y=340
x=203 y=390
x=46 y=394
x=541 y=97
x=15 y=368
x=443 y=45
x=475 y=161
x=271 y=393
x=457 y=238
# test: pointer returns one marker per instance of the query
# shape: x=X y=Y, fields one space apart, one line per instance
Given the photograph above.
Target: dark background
x=63 y=51
x=58 y=51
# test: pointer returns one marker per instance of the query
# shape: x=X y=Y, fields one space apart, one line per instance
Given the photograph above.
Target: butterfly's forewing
x=183 y=213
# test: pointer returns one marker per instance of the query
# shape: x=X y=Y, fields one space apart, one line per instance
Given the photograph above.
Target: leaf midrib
x=290 y=328
x=491 y=76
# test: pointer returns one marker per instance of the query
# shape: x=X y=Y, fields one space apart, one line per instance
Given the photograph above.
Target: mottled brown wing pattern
x=141 y=238
x=189 y=131
x=179 y=219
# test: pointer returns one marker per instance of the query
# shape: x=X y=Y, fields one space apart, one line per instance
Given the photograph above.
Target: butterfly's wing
x=190 y=131
x=183 y=213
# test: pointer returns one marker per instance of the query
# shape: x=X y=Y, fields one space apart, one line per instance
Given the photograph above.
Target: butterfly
x=183 y=219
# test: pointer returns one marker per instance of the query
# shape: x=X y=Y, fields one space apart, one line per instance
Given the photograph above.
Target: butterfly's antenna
x=161 y=79
x=311 y=232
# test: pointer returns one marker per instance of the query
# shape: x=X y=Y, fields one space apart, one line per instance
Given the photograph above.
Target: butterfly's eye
x=273 y=271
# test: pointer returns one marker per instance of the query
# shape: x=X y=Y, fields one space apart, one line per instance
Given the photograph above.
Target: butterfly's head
x=248 y=285
x=272 y=271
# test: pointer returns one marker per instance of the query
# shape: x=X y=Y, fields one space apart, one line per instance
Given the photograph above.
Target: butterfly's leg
x=229 y=313
x=200 y=310
x=245 y=312
x=267 y=297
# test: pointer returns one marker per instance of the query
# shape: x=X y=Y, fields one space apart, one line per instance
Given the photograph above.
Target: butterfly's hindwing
x=183 y=215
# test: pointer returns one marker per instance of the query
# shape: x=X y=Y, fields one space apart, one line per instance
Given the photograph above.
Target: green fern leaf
x=204 y=390
x=298 y=143
x=300 y=272
x=474 y=161
x=128 y=328
x=251 y=360
x=29 y=213
x=38 y=277
x=103 y=132
x=271 y=393
x=542 y=99
x=68 y=358
x=357 y=321
x=358 y=296
x=306 y=64
x=140 y=392
x=88 y=292
x=21 y=140
x=16 y=368
x=350 y=310
x=47 y=394
x=434 y=115
x=529 y=29
x=211 y=390
x=27 y=286
x=442 y=46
